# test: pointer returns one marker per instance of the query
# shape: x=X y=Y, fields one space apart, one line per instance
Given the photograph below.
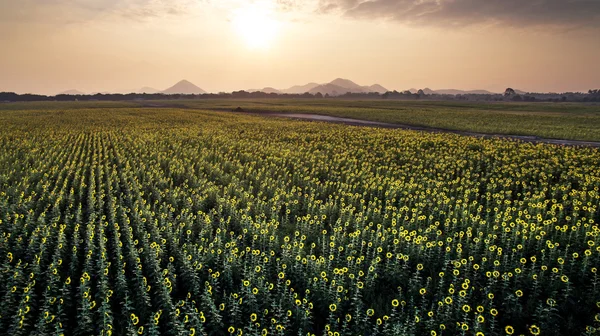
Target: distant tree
x=592 y=95
x=8 y=96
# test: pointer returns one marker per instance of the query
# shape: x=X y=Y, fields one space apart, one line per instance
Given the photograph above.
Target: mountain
x=72 y=92
x=346 y=83
x=300 y=89
x=377 y=88
x=449 y=91
x=457 y=92
x=330 y=89
x=184 y=87
x=266 y=90
x=480 y=92
x=341 y=86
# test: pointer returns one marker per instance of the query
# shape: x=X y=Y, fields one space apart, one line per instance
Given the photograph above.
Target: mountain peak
x=72 y=92
x=377 y=88
x=299 y=89
x=341 y=86
x=345 y=83
x=184 y=87
x=267 y=89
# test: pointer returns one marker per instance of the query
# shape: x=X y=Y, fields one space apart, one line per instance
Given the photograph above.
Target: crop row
x=212 y=224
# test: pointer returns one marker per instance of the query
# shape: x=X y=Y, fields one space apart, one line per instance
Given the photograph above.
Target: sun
x=256 y=25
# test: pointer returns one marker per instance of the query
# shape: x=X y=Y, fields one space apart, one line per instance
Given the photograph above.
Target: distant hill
x=346 y=83
x=72 y=92
x=336 y=87
x=300 y=89
x=341 y=86
x=378 y=88
x=266 y=90
x=332 y=90
x=184 y=87
x=457 y=92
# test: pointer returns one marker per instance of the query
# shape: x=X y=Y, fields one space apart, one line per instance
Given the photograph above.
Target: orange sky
x=48 y=46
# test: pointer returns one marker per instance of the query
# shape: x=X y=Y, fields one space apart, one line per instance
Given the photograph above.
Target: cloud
x=288 y=5
x=77 y=11
x=143 y=9
x=461 y=13
x=80 y=11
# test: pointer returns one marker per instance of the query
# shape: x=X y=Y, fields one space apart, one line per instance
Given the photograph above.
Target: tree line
x=509 y=95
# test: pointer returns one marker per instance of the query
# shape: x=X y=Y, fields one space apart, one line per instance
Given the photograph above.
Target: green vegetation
x=123 y=221
x=548 y=120
x=569 y=121
x=65 y=105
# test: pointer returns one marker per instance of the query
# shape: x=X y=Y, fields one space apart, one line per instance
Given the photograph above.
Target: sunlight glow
x=256 y=25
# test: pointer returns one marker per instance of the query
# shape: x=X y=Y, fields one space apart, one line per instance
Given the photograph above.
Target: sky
x=49 y=46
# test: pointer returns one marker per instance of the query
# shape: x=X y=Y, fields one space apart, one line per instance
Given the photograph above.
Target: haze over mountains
x=451 y=91
x=337 y=87
x=72 y=92
x=341 y=86
x=299 y=89
x=181 y=87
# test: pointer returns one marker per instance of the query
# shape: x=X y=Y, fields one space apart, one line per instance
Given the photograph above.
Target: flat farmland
x=571 y=121
x=122 y=219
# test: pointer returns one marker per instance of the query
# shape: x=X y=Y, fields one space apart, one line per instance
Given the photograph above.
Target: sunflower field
x=125 y=221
